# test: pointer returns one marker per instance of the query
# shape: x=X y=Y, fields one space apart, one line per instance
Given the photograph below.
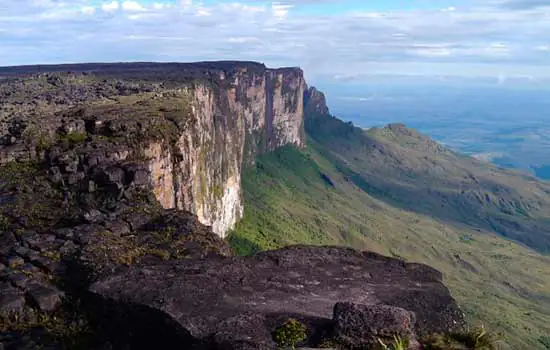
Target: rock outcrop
x=232 y=301
x=315 y=102
x=359 y=326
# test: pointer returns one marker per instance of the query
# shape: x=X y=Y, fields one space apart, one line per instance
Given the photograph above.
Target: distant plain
x=507 y=123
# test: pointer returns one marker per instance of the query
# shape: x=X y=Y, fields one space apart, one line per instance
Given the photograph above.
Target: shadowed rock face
x=359 y=326
x=262 y=290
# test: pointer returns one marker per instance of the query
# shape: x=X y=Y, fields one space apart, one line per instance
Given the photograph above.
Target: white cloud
x=88 y=10
x=110 y=7
x=202 y=11
x=280 y=11
x=242 y=8
x=186 y=3
x=132 y=6
x=449 y=9
x=432 y=52
x=242 y=39
x=160 y=6
x=486 y=40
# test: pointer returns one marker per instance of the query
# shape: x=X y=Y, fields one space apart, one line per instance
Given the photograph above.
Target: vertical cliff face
x=194 y=125
x=236 y=116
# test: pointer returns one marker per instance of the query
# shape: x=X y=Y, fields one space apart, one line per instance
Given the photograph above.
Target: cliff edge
x=118 y=183
x=219 y=116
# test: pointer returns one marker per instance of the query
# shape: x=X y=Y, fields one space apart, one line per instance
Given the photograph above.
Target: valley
x=129 y=191
x=338 y=191
x=504 y=124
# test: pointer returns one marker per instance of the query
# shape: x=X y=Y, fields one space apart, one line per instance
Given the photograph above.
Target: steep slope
x=194 y=124
x=356 y=189
x=411 y=171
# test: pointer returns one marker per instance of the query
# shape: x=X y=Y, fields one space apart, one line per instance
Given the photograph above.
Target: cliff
x=117 y=184
x=232 y=111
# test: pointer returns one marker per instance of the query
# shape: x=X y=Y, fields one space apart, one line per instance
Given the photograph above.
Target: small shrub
x=34 y=137
x=71 y=331
x=398 y=343
x=72 y=139
x=289 y=334
x=5 y=223
x=55 y=256
x=328 y=344
x=478 y=339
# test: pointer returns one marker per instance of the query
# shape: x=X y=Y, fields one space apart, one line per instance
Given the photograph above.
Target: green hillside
x=289 y=199
x=348 y=187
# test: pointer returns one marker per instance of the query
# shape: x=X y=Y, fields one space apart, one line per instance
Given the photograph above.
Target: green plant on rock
x=478 y=339
x=5 y=222
x=289 y=334
x=72 y=139
x=217 y=190
x=328 y=344
x=71 y=331
x=397 y=344
x=545 y=341
x=35 y=137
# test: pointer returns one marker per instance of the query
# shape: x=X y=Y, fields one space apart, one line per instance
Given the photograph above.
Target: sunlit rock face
x=247 y=112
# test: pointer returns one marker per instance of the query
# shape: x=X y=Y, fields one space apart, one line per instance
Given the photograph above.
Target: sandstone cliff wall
x=195 y=125
x=246 y=114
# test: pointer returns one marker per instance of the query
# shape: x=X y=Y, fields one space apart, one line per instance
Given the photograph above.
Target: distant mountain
x=507 y=121
x=411 y=171
x=396 y=191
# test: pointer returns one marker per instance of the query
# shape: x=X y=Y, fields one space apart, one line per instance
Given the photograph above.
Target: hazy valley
x=504 y=123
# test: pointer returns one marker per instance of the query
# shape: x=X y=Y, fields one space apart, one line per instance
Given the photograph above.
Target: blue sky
x=330 y=39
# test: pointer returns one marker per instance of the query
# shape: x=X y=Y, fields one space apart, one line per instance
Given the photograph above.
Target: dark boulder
x=208 y=297
x=12 y=300
x=361 y=326
x=68 y=162
x=246 y=331
x=137 y=175
x=45 y=298
x=109 y=176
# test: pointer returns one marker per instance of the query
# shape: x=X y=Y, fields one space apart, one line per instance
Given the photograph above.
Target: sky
x=329 y=39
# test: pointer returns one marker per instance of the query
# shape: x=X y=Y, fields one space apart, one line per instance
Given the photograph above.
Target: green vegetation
x=72 y=139
x=279 y=178
x=118 y=250
x=396 y=192
x=5 y=223
x=34 y=136
x=397 y=344
x=545 y=341
x=26 y=179
x=287 y=201
x=290 y=334
x=67 y=329
x=477 y=340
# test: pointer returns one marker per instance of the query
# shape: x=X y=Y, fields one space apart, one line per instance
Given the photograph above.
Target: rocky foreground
x=238 y=302
x=92 y=255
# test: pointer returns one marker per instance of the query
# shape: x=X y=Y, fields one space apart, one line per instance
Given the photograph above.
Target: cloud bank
x=483 y=38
